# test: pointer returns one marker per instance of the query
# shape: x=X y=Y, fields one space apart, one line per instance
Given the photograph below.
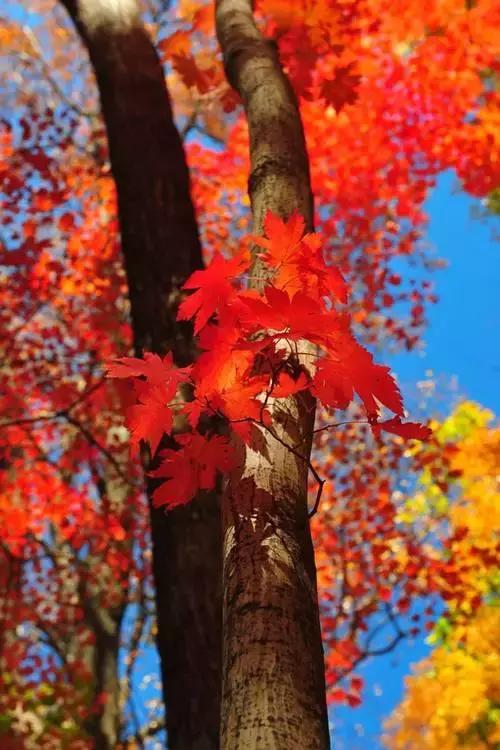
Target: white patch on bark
x=108 y=15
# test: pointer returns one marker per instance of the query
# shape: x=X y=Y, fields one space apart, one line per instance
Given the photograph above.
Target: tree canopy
x=227 y=208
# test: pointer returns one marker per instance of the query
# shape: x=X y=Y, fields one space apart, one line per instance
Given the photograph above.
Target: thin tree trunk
x=273 y=692
x=102 y=659
x=161 y=249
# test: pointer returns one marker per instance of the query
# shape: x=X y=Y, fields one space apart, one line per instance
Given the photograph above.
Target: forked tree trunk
x=273 y=694
x=161 y=249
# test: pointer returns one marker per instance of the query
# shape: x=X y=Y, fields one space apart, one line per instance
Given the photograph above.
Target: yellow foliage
x=478 y=510
x=463 y=422
x=473 y=517
x=452 y=700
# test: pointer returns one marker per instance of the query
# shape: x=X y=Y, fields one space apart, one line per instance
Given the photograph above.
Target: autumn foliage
x=253 y=345
x=451 y=700
x=391 y=95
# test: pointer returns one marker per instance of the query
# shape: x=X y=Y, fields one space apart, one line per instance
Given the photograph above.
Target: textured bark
x=273 y=693
x=161 y=248
x=106 y=669
x=102 y=660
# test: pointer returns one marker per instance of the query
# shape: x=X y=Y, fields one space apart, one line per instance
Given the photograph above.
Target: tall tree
x=273 y=672
x=161 y=248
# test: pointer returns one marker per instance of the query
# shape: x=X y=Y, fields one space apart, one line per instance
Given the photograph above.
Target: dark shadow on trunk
x=161 y=249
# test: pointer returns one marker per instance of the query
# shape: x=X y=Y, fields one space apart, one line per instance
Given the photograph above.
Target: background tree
x=451 y=700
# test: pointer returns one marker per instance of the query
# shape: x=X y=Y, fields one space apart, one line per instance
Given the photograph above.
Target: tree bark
x=273 y=691
x=102 y=659
x=161 y=249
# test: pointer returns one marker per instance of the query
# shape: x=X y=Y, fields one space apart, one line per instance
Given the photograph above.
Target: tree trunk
x=102 y=659
x=273 y=691
x=161 y=249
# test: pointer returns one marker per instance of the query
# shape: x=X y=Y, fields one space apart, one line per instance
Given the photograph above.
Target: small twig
x=60 y=413
x=67 y=415
x=314 y=509
x=190 y=122
x=319 y=480
x=339 y=424
x=102 y=448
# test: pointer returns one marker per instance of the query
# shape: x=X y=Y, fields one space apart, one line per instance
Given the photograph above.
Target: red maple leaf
x=342 y=88
x=297 y=317
x=191 y=468
x=331 y=385
x=224 y=362
x=155 y=369
x=299 y=56
x=408 y=430
x=240 y=404
x=282 y=238
x=150 y=419
x=222 y=374
x=287 y=385
x=377 y=382
x=328 y=279
x=352 y=369
x=191 y=74
x=297 y=259
x=152 y=416
x=215 y=288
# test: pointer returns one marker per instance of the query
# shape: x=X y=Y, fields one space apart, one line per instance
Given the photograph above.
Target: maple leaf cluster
x=251 y=344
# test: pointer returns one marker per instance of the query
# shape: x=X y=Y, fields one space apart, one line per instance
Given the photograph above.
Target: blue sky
x=462 y=338
x=462 y=349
